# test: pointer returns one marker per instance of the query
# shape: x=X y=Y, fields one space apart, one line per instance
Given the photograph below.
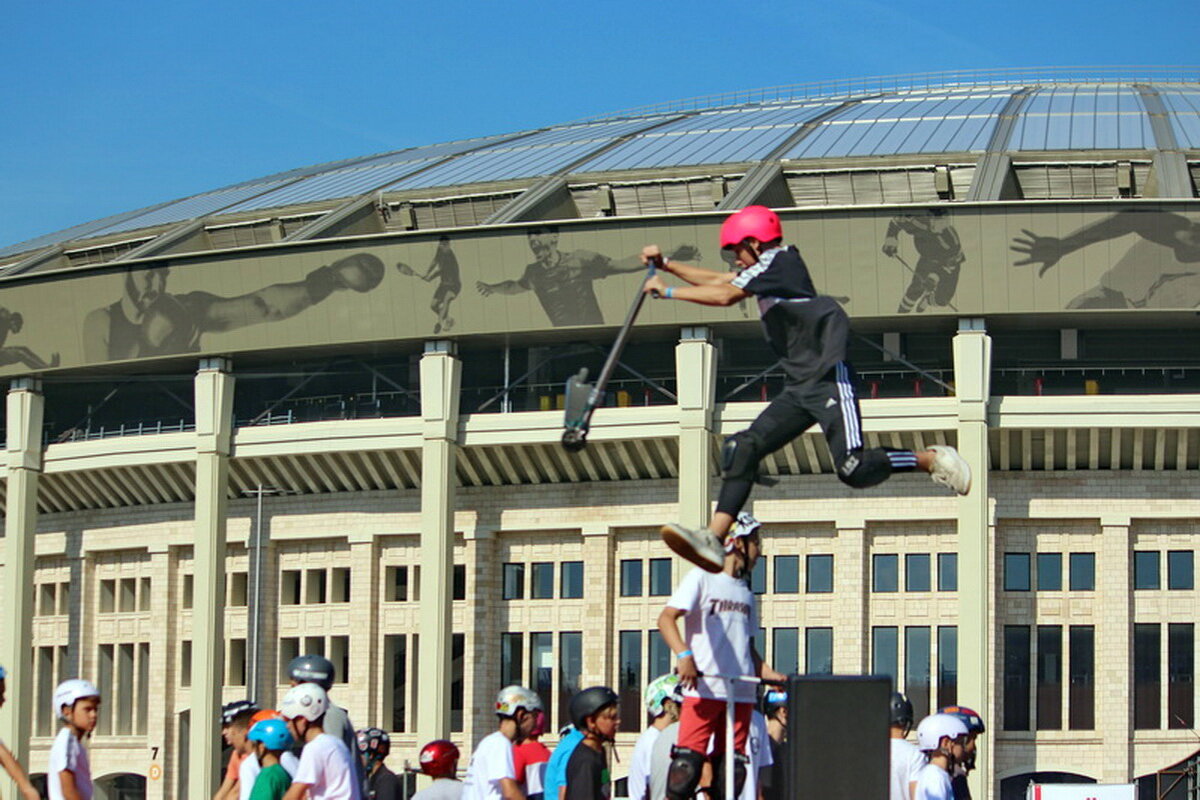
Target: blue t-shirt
x=556 y=770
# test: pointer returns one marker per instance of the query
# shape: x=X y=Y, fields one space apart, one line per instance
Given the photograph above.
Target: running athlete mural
x=562 y=280
x=1161 y=269
x=147 y=320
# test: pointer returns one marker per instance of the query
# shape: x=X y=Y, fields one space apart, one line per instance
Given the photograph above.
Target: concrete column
x=599 y=593
x=1114 y=651
x=440 y=375
x=972 y=372
x=696 y=384
x=25 y=405
x=851 y=644
x=214 y=432
x=162 y=677
x=482 y=680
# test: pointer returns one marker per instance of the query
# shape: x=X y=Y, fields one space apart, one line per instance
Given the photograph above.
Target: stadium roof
x=979 y=123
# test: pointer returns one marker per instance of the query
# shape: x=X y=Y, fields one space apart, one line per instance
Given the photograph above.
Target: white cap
x=70 y=691
x=306 y=700
x=935 y=726
x=512 y=698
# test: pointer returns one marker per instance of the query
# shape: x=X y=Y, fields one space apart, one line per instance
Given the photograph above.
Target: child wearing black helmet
x=810 y=334
x=593 y=711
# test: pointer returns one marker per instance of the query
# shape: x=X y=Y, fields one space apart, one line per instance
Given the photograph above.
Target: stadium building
x=319 y=411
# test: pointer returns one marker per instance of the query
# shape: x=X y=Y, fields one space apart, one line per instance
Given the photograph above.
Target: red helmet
x=439 y=758
x=758 y=222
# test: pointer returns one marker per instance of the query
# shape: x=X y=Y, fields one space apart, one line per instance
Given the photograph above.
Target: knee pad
x=740 y=455
x=684 y=773
x=739 y=776
x=850 y=471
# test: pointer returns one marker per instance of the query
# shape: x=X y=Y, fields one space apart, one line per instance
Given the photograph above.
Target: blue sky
x=111 y=106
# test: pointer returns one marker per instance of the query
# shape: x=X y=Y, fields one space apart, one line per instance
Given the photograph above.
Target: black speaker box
x=837 y=743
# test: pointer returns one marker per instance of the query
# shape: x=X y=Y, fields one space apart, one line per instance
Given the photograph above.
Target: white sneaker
x=700 y=546
x=950 y=469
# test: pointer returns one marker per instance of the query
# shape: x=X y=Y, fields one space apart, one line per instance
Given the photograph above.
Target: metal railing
x=916 y=81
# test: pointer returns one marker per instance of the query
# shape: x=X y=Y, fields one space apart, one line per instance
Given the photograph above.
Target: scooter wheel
x=574 y=440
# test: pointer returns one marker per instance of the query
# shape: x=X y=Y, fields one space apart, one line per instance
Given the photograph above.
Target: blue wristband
x=684 y=654
x=669 y=293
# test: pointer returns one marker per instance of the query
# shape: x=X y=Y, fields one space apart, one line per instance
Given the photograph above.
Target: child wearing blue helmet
x=271 y=739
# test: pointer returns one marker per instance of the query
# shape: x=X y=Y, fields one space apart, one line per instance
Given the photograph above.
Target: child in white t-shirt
x=491 y=774
x=720 y=621
x=326 y=770
x=9 y=762
x=942 y=738
x=77 y=704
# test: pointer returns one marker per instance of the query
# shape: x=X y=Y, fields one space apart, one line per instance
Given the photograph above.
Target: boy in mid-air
x=809 y=332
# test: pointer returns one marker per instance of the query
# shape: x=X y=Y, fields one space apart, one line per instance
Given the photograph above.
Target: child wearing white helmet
x=942 y=738
x=663 y=698
x=77 y=703
x=9 y=761
x=810 y=334
x=720 y=621
x=326 y=770
x=491 y=774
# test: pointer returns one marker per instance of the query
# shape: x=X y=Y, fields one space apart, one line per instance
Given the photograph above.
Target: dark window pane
x=542 y=581
x=1016 y=677
x=1082 y=699
x=572 y=580
x=631 y=577
x=1145 y=569
x=1179 y=570
x=885 y=573
x=1147 y=672
x=885 y=652
x=399 y=585
x=785 y=656
x=396 y=650
x=758 y=577
x=511 y=659
x=947 y=572
x=916 y=669
x=660 y=577
x=1016 y=572
x=1049 y=572
x=818 y=651
x=819 y=579
x=787 y=574
x=541 y=665
x=916 y=572
x=570 y=664
x=659 y=655
x=1049 y=677
x=459 y=582
x=458 y=646
x=514 y=581
x=629 y=680
x=1083 y=572
x=947 y=672
x=1181 y=672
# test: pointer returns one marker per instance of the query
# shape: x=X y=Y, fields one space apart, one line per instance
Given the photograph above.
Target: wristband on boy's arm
x=684 y=654
x=669 y=293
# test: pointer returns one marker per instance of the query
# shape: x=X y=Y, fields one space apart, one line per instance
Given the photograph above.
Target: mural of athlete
x=444 y=267
x=12 y=322
x=148 y=320
x=1160 y=270
x=939 y=257
x=562 y=280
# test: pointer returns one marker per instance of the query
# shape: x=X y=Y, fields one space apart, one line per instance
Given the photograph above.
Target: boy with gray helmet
x=9 y=762
x=593 y=711
x=663 y=698
x=320 y=670
x=906 y=760
x=326 y=770
x=491 y=774
x=77 y=703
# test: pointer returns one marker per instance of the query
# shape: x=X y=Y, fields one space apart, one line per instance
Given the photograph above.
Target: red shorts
x=702 y=721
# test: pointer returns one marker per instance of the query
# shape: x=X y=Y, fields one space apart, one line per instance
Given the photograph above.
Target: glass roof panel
x=1083 y=118
x=1185 y=117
